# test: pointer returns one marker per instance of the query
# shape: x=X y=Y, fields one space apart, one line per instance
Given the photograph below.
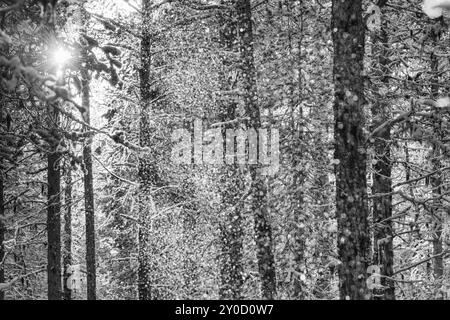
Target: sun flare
x=61 y=56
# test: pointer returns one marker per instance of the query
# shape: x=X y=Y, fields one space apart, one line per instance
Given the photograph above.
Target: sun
x=61 y=56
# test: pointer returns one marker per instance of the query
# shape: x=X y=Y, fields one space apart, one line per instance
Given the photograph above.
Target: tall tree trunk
x=350 y=152
x=67 y=242
x=263 y=229
x=438 y=179
x=89 y=201
x=383 y=253
x=438 y=216
x=231 y=264
x=231 y=271
x=146 y=171
x=53 y=214
x=231 y=237
x=88 y=180
x=2 y=214
x=297 y=151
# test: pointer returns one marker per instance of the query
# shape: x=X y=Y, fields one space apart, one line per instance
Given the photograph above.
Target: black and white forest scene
x=214 y=150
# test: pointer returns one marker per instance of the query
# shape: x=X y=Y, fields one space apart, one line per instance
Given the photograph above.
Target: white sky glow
x=61 y=56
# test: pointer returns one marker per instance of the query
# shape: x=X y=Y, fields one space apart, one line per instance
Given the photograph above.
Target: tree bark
x=2 y=214
x=53 y=214
x=437 y=180
x=383 y=254
x=67 y=243
x=146 y=170
x=350 y=152
x=231 y=237
x=88 y=182
x=263 y=229
x=299 y=174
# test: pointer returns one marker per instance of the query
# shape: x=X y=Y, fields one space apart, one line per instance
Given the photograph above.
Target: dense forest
x=224 y=149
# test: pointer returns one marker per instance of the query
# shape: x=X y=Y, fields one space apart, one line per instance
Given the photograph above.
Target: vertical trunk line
x=88 y=176
x=145 y=171
x=2 y=213
x=437 y=181
x=383 y=254
x=350 y=153
x=67 y=256
x=231 y=229
x=263 y=230
x=53 y=215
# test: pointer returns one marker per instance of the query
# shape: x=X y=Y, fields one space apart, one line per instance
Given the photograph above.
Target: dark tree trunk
x=350 y=153
x=383 y=254
x=2 y=213
x=88 y=185
x=438 y=179
x=231 y=265
x=263 y=230
x=53 y=215
x=146 y=170
x=67 y=243
x=89 y=206
x=2 y=225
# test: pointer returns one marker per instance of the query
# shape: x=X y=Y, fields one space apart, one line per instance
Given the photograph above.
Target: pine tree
x=258 y=192
x=350 y=151
x=383 y=254
x=231 y=179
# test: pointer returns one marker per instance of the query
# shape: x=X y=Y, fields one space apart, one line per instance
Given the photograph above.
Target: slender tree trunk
x=89 y=202
x=67 y=243
x=438 y=261
x=438 y=179
x=53 y=215
x=263 y=230
x=297 y=150
x=146 y=170
x=350 y=152
x=383 y=254
x=231 y=265
x=231 y=271
x=88 y=182
x=2 y=213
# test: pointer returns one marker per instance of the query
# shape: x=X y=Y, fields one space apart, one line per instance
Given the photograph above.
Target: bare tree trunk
x=383 y=253
x=2 y=214
x=53 y=215
x=146 y=171
x=231 y=237
x=438 y=179
x=350 y=152
x=67 y=243
x=263 y=230
x=88 y=181
x=231 y=265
